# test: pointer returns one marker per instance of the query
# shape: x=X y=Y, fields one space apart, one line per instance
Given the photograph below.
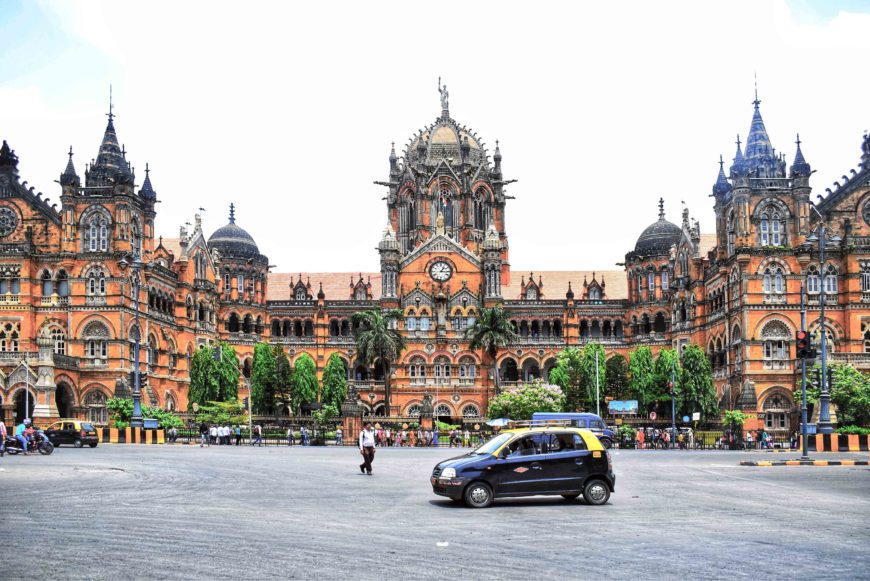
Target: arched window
x=58 y=340
x=424 y=321
x=95 y=231
x=774 y=280
x=731 y=232
x=300 y=294
x=775 y=336
x=96 y=282
x=170 y=403
x=96 y=337
x=9 y=334
x=136 y=239
x=152 y=354
x=442 y=368
x=417 y=370
x=95 y=401
x=813 y=280
x=772 y=228
x=467 y=368
x=830 y=280
x=664 y=280
x=411 y=322
x=413 y=410
x=865 y=334
x=233 y=323
x=47 y=284
x=62 y=284
x=470 y=411
x=188 y=306
x=594 y=293
x=532 y=293
x=360 y=294
x=443 y=410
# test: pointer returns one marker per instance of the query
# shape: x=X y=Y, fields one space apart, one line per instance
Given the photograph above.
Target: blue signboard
x=685 y=419
x=622 y=407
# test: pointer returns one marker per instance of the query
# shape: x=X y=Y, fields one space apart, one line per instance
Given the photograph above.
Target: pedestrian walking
x=435 y=436
x=212 y=435
x=203 y=434
x=290 y=436
x=466 y=438
x=339 y=437
x=2 y=438
x=367 y=448
x=238 y=435
x=640 y=437
x=258 y=436
x=420 y=436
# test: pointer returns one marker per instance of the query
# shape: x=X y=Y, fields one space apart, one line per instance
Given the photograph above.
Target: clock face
x=440 y=271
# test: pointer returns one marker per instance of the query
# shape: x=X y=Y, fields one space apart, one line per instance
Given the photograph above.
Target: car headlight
x=448 y=473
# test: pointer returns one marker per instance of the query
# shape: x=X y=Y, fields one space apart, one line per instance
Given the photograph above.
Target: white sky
x=288 y=109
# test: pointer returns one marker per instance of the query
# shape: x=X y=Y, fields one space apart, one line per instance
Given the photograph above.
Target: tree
x=334 y=382
x=642 y=367
x=568 y=375
x=223 y=413
x=304 y=381
x=850 y=392
x=735 y=418
x=667 y=366
x=521 y=402
x=263 y=379
x=617 y=384
x=491 y=332
x=211 y=379
x=378 y=342
x=121 y=410
x=697 y=392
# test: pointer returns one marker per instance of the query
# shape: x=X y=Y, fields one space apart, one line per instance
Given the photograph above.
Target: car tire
x=596 y=492
x=572 y=496
x=478 y=495
x=92 y=445
x=606 y=443
x=77 y=443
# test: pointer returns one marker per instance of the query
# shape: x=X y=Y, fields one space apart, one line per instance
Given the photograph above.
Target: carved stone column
x=45 y=407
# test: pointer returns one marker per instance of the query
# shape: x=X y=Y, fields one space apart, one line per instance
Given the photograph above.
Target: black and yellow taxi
x=530 y=461
x=72 y=432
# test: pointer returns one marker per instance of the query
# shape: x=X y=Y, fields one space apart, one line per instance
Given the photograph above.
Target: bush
x=854 y=430
x=522 y=402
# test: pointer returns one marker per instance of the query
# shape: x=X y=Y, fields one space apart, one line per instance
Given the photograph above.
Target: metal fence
x=724 y=439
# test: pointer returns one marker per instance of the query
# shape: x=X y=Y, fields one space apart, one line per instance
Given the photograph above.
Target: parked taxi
x=549 y=460
x=73 y=432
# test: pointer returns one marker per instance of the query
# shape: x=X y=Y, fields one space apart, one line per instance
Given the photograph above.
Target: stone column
x=45 y=406
x=351 y=421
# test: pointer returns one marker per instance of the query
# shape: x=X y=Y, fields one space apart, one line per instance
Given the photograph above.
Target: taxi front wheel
x=596 y=492
x=478 y=495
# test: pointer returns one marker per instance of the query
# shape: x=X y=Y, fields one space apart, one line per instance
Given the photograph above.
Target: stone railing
x=66 y=361
x=9 y=299
x=95 y=300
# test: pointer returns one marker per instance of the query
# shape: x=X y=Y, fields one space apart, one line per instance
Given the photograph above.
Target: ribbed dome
x=233 y=241
x=658 y=236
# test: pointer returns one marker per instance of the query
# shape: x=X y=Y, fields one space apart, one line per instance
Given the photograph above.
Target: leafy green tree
x=735 y=418
x=304 y=381
x=593 y=352
x=642 y=367
x=667 y=366
x=231 y=413
x=523 y=401
x=334 y=382
x=697 y=392
x=850 y=392
x=378 y=342
x=211 y=379
x=568 y=375
x=491 y=332
x=617 y=384
x=263 y=379
x=121 y=410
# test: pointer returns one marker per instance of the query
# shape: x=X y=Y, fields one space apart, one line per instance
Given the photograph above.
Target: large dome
x=232 y=241
x=658 y=236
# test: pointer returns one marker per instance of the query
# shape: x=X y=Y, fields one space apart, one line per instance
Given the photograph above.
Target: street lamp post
x=824 y=426
x=135 y=265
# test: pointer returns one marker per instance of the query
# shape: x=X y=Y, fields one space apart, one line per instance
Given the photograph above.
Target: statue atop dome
x=442 y=90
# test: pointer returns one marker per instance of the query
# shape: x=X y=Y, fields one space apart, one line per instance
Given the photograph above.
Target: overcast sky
x=288 y=109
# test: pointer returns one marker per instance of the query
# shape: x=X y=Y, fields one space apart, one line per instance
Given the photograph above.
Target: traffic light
x=671 y=388
x=830 y=377
x=246 y=403
x=817 y=378
x=143 y=380
x=803 y=345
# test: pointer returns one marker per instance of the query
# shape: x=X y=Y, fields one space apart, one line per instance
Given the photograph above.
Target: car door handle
x=536 y=466
x=578 y=461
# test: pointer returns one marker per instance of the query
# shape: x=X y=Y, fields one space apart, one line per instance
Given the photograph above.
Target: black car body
x=72 y=432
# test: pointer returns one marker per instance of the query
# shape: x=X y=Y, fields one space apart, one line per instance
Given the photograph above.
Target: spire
x=110 y=166
x=721 y=188
x=146 y=191
x=392 y=152
x=661 y=209
x=233 y=221
x=69 y=176
x=800 y=167
x=497 y=155
x=760 y=157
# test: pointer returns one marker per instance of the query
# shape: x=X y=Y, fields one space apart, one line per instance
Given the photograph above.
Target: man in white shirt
x=367 y=448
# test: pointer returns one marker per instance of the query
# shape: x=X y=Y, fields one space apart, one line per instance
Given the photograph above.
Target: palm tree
x=378 y=342
x=491 y=332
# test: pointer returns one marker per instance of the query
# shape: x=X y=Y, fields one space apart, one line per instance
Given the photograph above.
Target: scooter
x=40 y=443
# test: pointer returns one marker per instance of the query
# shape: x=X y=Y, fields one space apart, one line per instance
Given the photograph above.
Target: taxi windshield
x=492 y=445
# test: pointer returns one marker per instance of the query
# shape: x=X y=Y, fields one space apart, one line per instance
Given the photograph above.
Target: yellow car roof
x=592 y=441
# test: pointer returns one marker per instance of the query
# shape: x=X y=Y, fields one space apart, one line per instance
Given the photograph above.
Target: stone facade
x=67 y=305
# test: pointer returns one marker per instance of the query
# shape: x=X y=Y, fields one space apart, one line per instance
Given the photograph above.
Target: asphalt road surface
x=181 y=512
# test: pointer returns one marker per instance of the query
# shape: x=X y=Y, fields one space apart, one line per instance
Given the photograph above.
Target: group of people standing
x=656 y=438
x=220 y=435
x=386 y=437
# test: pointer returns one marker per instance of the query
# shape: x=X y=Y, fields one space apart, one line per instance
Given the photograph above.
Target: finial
x=661 y=208
x=721 y=163
x=798 y=140
x=147 y=169
x=233 y=214
x=110 y=114
x=70 y=152
x=738 y=141
x=756 y=102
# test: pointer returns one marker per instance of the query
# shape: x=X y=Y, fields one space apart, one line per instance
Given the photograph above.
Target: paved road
x=179 y=512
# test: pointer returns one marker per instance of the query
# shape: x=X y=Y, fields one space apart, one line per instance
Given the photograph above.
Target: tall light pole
x=136 y=265
x=804 y=455
x=597 y=396
x=824 y=426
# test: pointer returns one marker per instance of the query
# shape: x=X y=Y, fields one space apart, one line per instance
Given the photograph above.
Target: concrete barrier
x=131 y=436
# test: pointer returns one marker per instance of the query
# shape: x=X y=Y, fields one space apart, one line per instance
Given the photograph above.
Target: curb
x=809 y=463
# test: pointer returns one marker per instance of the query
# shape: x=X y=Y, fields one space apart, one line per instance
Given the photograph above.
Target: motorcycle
x=40 y=443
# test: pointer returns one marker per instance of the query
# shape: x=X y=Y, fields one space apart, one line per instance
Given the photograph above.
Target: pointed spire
x=320 y=294
x=661 y=208
x=110 y=167
x=110 y=114
x=393 y=152
x=147 y=191
x=233 y=220
x=69 y=177
x=721 y=188
x=570 y=294
x=800 y=167
x=760 y=156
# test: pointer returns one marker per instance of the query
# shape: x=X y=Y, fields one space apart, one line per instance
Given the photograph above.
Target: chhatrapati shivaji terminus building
x=67 y=304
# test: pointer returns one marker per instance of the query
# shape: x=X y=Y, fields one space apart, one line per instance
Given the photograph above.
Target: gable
x=442 y=244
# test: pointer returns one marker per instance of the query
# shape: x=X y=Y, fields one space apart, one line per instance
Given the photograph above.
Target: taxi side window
x=525 y=446
x=68 y=426
x=579 y=442
x=564 y=442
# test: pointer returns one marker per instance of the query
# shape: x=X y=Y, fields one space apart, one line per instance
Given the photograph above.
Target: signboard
x=617 y=407
x=685 y=419
x=618 y=421
x=652 y=415
x=696 y=416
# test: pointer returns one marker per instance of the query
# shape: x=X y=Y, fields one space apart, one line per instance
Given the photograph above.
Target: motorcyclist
x=20 y=430
x=2 y=438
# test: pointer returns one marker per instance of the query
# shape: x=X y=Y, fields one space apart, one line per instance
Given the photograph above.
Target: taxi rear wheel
x=596 y=492
x=478 y=495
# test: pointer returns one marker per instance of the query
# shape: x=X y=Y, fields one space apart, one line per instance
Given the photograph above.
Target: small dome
x=658 y=236
x=233 y=241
